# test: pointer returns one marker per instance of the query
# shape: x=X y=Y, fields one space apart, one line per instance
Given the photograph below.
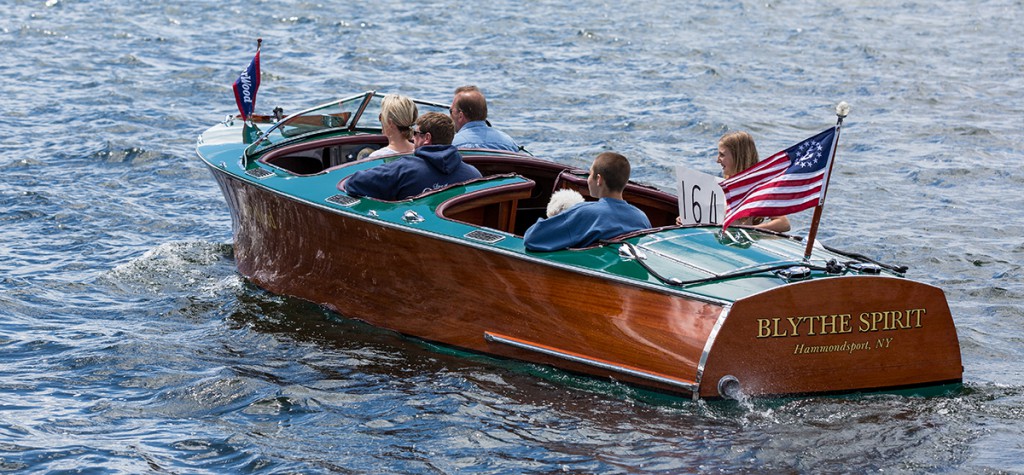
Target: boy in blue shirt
x=589 y=222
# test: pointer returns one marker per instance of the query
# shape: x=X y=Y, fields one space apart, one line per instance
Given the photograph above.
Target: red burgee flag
x=789 y=181
x=247 y=84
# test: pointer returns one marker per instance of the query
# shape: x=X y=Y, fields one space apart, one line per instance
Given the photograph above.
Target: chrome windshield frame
x=265 y=135
x=356 y=106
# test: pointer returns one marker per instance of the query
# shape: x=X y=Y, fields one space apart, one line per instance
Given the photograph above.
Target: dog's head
x=562 y=200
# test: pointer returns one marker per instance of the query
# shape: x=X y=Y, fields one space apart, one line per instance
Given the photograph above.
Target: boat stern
x=832 y=336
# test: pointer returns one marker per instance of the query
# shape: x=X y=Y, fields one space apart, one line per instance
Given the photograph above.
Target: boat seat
x=307 y=162
x=567 y=180
x=493 y=207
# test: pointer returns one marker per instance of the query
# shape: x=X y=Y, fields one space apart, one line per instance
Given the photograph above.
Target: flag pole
x=842 y=110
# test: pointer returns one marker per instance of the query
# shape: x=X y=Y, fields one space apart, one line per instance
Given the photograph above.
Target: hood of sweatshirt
x=444 y=158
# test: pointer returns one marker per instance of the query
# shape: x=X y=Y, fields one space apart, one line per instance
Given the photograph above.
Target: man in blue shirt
x=469 y=112
x=434 y=164
x=591 y=221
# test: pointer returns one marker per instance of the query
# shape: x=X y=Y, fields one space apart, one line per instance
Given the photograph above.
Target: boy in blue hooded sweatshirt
x=435 y=164
x=586 y=223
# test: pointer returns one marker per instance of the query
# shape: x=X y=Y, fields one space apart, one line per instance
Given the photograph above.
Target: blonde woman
x=397 y=116
x=737 y=152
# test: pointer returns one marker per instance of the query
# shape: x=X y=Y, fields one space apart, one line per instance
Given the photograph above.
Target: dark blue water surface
x=130 y=344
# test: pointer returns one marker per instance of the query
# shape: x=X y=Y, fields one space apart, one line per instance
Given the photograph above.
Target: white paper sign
x=701 y=200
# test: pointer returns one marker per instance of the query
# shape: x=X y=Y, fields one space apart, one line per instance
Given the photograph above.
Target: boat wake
x=196 y=268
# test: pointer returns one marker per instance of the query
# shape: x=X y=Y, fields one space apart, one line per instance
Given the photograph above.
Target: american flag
x=789 y=181
x=247 y=84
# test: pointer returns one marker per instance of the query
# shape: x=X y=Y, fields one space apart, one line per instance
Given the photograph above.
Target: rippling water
x=128 y=342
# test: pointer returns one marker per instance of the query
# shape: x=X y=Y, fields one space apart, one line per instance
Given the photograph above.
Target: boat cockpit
x=342 y=133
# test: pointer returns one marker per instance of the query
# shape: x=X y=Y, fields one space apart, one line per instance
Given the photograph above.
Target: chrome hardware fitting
x=794 y=273
x=729 y=387
x=412 y=217
x=627 y=252
x=865 y=268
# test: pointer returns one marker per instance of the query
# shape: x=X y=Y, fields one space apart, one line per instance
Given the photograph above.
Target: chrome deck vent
x=342 y=200
x=484 y=236
x=258 y=173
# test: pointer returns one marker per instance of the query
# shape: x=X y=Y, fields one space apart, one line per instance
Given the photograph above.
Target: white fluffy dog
x=562 y=200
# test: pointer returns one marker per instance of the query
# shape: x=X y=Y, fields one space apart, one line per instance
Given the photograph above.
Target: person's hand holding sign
x=701 y=200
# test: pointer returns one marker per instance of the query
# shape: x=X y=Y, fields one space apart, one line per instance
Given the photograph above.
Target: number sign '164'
x=701 y=200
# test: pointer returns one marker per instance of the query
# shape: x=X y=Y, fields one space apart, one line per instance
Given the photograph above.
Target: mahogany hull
x=444 y=290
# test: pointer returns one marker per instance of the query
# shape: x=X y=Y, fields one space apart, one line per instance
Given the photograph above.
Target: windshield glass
x=354 y=114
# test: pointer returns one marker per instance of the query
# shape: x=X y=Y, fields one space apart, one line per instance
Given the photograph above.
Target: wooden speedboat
x=689 y=310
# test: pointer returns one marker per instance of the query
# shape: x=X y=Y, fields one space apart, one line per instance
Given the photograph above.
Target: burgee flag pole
x=842 y=110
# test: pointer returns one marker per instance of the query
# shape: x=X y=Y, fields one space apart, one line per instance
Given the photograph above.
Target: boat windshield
x=351 y=115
